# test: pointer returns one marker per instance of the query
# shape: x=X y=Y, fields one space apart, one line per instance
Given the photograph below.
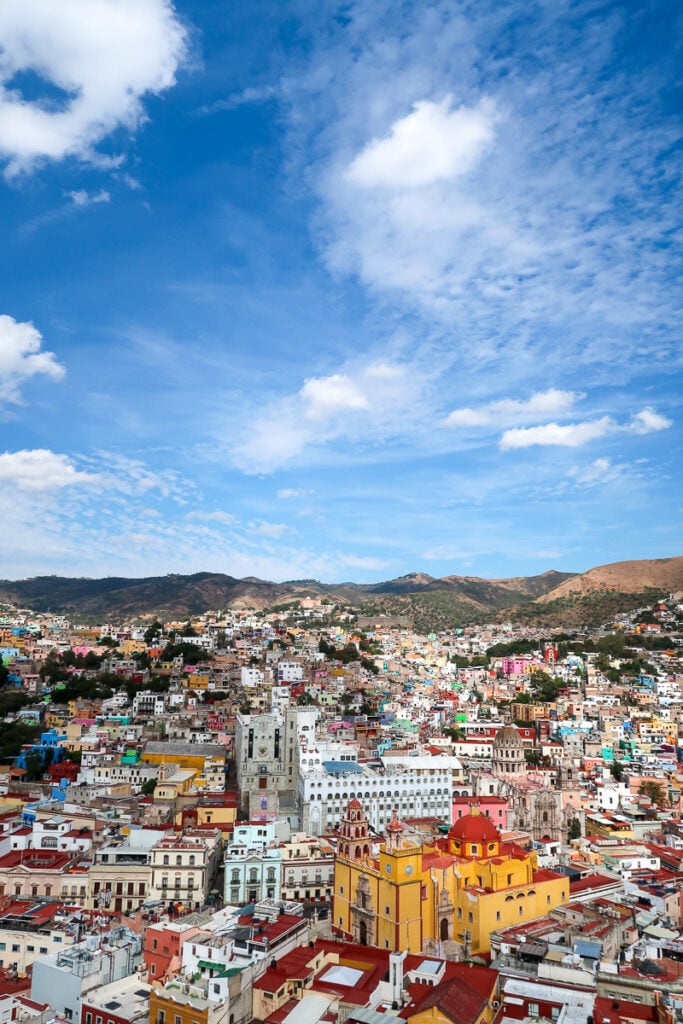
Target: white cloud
x=599 y=471
x=433 y=143
x=41 y=470
x=570 y=435
x=102 y=57
x=274 y=530
x=519 y=235
x=648 y=421
x=286 y=493
x=213 y=517
x=327 y=396
x=21 y=357
x=82 y=198
x=510 y=410
x=366 y=404
x=252 y=94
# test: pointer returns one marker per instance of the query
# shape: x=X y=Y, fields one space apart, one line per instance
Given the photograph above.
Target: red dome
x=354 y=805
x=474 y=828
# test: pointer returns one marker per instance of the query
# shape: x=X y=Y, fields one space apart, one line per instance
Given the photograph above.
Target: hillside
x=551 y=598
x=661 y=574
x=454 y=599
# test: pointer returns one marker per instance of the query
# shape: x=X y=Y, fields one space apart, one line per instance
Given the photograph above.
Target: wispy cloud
x=288 y=493
x=366 y=401
x=600 y=471
x=525 y=234
x=217 y=516
x=81 y=197
x=253 y=94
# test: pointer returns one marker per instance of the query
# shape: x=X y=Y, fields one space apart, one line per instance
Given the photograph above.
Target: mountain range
x=432 y=603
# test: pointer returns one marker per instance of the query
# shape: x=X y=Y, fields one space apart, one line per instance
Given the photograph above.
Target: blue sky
x=339 y=290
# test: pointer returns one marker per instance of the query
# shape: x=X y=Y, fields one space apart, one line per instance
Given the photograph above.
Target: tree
x=34 y=765
x=574 y=829
x=153 y=632
x=654 y=791
x=148 y=787
x=613 y=644
x=617 y=770
x=306 y=699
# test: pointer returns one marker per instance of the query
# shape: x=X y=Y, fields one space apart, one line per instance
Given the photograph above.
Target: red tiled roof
x=611 y=1011
x=462 y=998
x=591 y=882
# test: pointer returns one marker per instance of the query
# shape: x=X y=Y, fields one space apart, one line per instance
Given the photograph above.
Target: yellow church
x=419 y=895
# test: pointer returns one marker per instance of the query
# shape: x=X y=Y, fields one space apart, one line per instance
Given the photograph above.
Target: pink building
x=494 y=807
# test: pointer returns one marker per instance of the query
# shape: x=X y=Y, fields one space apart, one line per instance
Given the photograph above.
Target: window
x=153 y=969
x=88 y=1018
x=532 y=1009
x=16 y=949
x=30 y=949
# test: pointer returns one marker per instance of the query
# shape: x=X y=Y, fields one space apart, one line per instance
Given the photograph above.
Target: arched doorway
x=363 y=933
x=443 y=929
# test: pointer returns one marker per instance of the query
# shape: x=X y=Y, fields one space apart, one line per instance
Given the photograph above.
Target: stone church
x=541 y=803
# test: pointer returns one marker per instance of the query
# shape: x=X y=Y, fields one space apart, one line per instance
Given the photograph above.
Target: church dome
x=474 y=828
x=507 y=737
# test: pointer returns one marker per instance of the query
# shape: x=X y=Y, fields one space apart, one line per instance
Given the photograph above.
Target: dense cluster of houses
x=289 y=817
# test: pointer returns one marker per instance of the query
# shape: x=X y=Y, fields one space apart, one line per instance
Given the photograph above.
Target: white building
x=419 y=787
x=63 y=979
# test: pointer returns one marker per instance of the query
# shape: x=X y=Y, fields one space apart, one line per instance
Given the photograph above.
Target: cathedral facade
x=442 y=897
x=542 y=803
